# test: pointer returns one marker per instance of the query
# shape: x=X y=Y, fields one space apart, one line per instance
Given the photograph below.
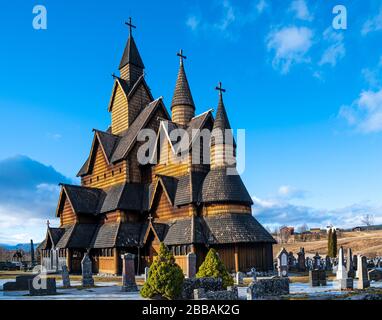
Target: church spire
x=223 y=146
x=182 y=106
x=131 y=66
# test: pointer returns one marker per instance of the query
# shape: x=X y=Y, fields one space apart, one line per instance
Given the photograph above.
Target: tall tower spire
x=182 y=106
x=131 y=66
x=223 y=146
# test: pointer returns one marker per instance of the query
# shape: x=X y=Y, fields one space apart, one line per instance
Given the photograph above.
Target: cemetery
x=295 y=276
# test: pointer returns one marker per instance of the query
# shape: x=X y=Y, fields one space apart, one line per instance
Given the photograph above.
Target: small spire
x=48 y=223
x=182 y=94
x=181 y=56
x=221 y=119
x=131 y=54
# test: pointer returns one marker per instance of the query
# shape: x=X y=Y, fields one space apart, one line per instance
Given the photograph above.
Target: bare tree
x=303 y=228
x=368 y=220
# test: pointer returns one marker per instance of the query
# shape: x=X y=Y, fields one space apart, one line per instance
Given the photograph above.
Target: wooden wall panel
x=216 y=209
x=104 y=175
x=67 y=216
x=119 y=113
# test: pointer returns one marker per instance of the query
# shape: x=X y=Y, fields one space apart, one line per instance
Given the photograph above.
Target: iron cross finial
x=131 y=26
x=181 y=56
x=48 y=223
x=220 y=88
x=150 y=217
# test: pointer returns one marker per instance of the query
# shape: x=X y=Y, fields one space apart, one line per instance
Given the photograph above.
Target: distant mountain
x=21 y=246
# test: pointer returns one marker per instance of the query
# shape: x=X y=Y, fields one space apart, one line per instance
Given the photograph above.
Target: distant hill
x=368 y=243
x=21 y=246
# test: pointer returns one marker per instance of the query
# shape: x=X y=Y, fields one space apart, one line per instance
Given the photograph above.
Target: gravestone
x=282 y=263
x=191 y=265
x=33 y=262
x=301 y=260
x=328 y=263
x=254 y=274
x=146 y=275
x=48 y=290
x=317 y=278
x=239 y=277
x=264 y=288
x=355 y=261
x=375 y=274
x=349 y=264
x=291 y=260
x=65 y=277
x=87 y=274
x=316 y=261
x=21 y=283
x=345 y=283
x=128 y=273
x=363 y=277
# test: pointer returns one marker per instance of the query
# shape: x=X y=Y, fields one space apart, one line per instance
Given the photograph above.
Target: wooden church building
x=125 y=206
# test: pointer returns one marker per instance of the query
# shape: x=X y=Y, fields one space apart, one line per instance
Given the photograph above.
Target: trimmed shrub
x=213 y=267
x=165 y=278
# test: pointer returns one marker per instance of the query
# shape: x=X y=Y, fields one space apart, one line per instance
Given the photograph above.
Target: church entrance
x=150 y=250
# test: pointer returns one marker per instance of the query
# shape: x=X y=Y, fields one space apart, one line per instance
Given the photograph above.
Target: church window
x=104 y=175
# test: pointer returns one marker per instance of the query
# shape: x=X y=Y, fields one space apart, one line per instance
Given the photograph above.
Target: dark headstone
x=46 y=288
x=128 y=273
x=65 y=277
x=21 y=283
x=301 y=260
x=363 y=277
x=317 y=278
x=87 y=273
x=316 y=261
x=350 y=264
x=375 y=274
x=268 y=288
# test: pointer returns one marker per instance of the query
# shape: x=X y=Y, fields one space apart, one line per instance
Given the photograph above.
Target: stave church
x=123 y=205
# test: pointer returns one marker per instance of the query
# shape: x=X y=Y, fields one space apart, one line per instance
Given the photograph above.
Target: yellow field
x=368 y=243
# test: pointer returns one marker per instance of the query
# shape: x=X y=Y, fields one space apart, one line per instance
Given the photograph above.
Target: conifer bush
x=213 y=267
x=165 y=277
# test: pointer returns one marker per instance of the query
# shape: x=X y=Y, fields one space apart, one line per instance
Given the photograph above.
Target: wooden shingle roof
x=182 y=93
x=218 y=186
x=131 y=55
x=234 y=228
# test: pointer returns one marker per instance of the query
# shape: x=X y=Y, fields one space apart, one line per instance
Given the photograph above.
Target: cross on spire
x=220 y=89
x=48 y=223
x=181 y=56
x=150 y=218
x=131 y=26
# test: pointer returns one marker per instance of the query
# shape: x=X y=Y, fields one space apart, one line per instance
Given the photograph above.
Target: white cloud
x=289 y=192
x=301 y=10
x=290 y=46
x=193 y=22
x=273 y=213
x=28 y=197
x=365 y=113
x=373 y=76
x=228 y=16
x=336 y=50
x=373 y=24
x=261 y=6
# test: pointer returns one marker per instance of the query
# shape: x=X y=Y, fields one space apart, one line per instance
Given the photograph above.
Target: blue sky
x=308 y=96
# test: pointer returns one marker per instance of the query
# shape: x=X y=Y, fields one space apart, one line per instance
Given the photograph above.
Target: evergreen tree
x=334 y=243
x=213 y=267
x=165 y=277
x=330 y=241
